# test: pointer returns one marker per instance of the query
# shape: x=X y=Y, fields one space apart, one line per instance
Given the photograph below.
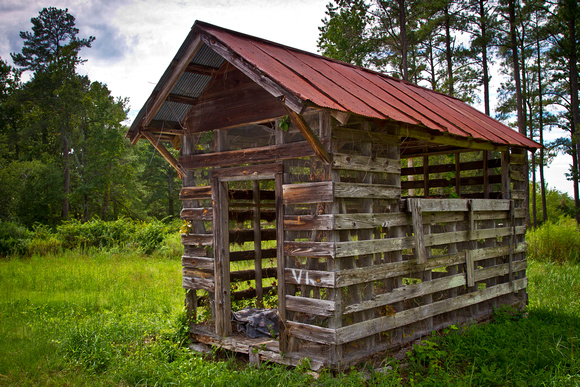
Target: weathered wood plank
x=191 y=193
x=368 y=191
x=202 y=263
x=315 y=278
x=309 y=249
x=310 y=305
x=197 y=239
x=365 y=163
x=417 y=216
x=469 y=280
x=309 y=135
x=197 y=214
x=321 y=192
x=429 y=287
x=400 y=319
x=311 y=332
x=198 y=283
x=308 y=222
x=250 y=172
x=349 y=249
x=270 y=153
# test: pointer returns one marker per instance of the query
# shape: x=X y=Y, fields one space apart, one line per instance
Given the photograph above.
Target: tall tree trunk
x=518 y=84
x=484 y=63
x=541 y=129
x=404 y=40
x=573 y=13
x=66 y=154
x=448 y=53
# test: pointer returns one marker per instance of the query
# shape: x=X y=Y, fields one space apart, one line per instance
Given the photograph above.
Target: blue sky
x=136 y=39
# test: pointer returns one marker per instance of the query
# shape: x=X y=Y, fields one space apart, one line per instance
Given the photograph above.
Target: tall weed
x=555 y=242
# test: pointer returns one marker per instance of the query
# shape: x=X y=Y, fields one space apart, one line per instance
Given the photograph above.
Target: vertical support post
x=457 y=175
x=281 y=261
x=222 y=258
x=505 y=175
x=417 y=216
x=485 y=155
x=257 y=243
x=425 y=176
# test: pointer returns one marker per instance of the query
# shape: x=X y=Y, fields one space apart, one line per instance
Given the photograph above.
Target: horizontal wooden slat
x=396 y=269
x=253 y=155
x=197 y=239
x=309 y=277
x=366 y=191
x=250 y=172
x=408 y=292
x=365 y=163
x=400 y=319
x=308 y=222
x=349 y=249
x=322 y=192
x=198 y=283
x=311 y=332
x=189 y=193
x=309 y=249
x=310 y=306
x=197 y=214
x=192 y=262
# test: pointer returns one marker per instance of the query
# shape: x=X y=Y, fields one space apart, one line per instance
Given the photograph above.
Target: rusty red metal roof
x=304 y=79
x=336 y=85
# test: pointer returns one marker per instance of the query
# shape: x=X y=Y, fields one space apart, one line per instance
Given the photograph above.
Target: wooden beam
x=417 y=217
x=165 y=153
x=181 y=99
x=308 y=134
x=253 y=155
x=150 y=129
x=448 y=139
x=201 y=70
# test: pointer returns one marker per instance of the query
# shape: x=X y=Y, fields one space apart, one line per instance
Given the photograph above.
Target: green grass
x=105 y=318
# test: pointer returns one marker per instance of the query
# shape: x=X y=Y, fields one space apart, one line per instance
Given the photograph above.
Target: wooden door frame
x=219 y=194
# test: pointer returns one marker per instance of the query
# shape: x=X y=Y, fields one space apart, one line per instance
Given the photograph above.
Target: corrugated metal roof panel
x=191 y=85
x=205 y=56
x=172 y=111
x=336 y=85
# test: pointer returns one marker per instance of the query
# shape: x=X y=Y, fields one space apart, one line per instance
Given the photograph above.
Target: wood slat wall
x=361 y=268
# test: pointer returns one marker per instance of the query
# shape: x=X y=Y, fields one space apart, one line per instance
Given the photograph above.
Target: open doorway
x=248 y=252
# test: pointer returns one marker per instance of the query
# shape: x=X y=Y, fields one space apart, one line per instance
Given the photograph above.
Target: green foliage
x=100 y=318
x=555 y=242
x=14 y=239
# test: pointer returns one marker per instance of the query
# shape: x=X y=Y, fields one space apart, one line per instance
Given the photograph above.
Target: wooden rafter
x=308 y=134
x=165 y=153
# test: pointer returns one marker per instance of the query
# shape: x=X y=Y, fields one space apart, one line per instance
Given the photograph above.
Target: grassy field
x=105 y=318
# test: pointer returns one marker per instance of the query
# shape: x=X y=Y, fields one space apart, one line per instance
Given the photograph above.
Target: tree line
x=457 y=46
x=62 y=149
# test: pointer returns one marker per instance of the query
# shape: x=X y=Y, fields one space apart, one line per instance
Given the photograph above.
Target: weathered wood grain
x=399 y=319
x=313 y=306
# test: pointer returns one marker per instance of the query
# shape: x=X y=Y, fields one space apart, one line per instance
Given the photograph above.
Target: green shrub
x=555 y=242
x=14 y=239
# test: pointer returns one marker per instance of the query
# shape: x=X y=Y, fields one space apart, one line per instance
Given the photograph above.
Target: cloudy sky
x=136 y=39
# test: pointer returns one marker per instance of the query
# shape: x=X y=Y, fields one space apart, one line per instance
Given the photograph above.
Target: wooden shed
x=369 y=210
